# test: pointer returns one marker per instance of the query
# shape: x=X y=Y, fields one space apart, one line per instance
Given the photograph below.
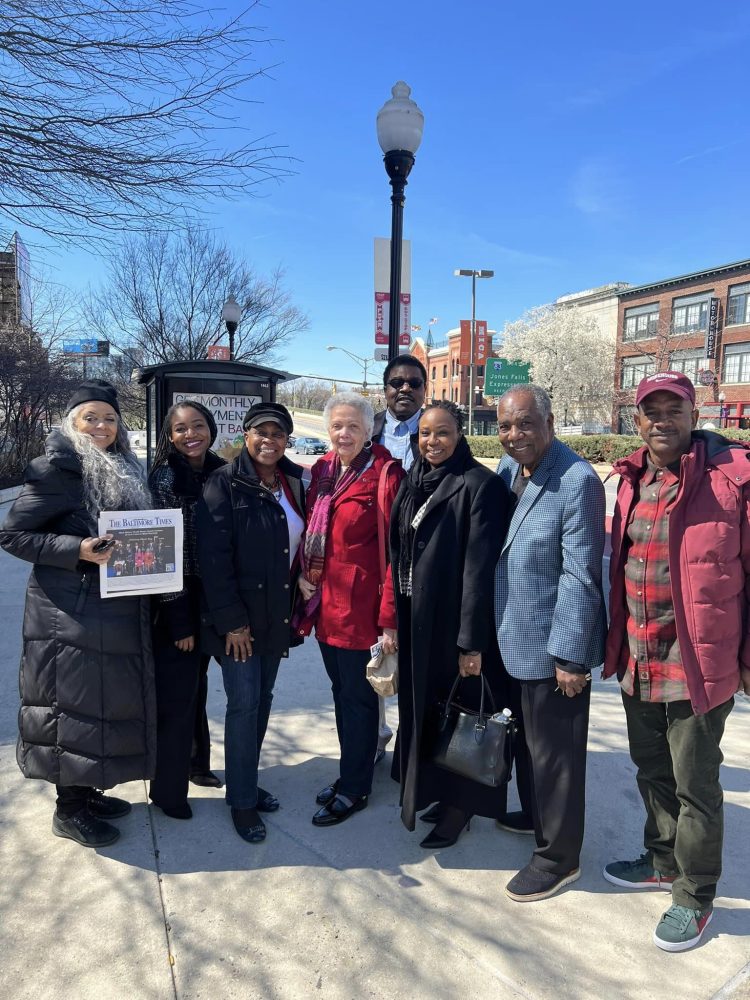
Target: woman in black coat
x=88 y=715
x=182 y=464
x=447 y=529
x=250 y=521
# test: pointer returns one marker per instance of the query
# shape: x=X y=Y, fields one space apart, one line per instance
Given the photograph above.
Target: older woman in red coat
x=347 y=601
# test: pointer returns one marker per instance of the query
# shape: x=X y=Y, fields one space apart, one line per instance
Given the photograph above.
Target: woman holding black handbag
x=447 y=529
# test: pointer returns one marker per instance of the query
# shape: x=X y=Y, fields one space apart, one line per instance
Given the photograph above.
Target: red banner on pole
x=480 y=342
x=464 y=357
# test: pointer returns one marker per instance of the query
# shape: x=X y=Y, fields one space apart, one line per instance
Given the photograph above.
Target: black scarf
x=421 y=482
x=189 y=482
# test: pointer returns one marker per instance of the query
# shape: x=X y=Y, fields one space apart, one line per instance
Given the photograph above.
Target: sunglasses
x=413 y=383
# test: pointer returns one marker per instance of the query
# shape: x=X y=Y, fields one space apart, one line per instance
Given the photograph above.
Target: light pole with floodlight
x=231 y=314
x=400 y=124
x=362 y=362
x=473 y=274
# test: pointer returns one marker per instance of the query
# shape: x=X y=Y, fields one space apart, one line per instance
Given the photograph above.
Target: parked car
x=310 y=446
x=291 y=440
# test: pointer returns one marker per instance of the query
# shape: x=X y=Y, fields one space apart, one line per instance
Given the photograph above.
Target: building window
x=445 y=373
x=434 y=372
x=633 y=370
x=480 y=371
x=737 y=363
x=688 y=363
x=689 y=315
x=443 y=396
x=641 y=322
x=738 y=307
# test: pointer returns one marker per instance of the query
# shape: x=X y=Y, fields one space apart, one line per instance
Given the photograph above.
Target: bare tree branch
x=115 y=115
x=165 y=293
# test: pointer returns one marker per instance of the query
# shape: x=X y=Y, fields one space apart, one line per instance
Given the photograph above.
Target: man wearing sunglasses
x=397 y=429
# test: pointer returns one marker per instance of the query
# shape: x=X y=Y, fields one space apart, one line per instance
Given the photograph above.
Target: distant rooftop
x=712 y=272
x=600 y=292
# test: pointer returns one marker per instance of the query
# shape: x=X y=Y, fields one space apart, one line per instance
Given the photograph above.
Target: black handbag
x=473 y=744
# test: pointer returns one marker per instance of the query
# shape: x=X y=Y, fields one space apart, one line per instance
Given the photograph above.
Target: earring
x=368 y=443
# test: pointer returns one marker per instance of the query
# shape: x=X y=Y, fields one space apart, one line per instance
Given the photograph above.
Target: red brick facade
x=447 y=378
x=665 y=325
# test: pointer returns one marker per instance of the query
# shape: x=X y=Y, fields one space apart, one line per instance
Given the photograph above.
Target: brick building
x=696 y=323
x=447 y=378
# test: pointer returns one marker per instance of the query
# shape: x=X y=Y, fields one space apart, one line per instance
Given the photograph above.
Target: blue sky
x=565 y=146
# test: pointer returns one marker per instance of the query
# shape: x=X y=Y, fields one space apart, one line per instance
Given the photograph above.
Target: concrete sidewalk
x=187 y=910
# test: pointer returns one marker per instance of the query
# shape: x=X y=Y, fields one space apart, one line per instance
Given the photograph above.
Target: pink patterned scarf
x=329 y=488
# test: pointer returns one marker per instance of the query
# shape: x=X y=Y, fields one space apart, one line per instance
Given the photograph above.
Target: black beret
x=94 y=390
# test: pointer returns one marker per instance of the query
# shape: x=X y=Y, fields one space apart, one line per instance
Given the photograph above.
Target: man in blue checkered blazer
x=551 y=624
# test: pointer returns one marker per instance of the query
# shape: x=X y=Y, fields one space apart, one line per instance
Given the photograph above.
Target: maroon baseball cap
x=674 y=382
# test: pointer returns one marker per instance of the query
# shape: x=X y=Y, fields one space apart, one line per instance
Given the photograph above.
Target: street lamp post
x=400 y=124
x=362 y=362
x=231 y=314
x=473 y=274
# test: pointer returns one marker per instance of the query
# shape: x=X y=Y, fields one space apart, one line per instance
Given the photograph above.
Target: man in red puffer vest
x=679 y=641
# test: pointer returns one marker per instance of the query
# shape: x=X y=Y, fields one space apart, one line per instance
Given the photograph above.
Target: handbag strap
x=485 y=687
x=382 y=493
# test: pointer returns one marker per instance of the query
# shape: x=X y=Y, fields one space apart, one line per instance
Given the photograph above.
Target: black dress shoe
x=516 y=822
x=337 y=811
x=107 y=806
x=207 y=779
x=181 y=811
x=249 y=825
x=267 y=803
x=327 y=794
x=451 y=825
x=85 y=829
x=432 y=815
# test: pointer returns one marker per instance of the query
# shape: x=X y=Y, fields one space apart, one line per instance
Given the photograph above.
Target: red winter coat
x=352 y=611
x=709 y=566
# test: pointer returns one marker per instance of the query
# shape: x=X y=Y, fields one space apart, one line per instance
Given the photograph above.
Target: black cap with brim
x=260 y=413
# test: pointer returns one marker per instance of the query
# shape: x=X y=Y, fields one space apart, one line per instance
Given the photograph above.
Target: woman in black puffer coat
x=88 y=717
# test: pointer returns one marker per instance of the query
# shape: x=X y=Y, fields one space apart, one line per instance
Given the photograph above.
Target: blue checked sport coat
x=548 y=585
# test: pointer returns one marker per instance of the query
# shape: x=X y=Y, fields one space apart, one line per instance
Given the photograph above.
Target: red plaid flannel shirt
x=652 y=652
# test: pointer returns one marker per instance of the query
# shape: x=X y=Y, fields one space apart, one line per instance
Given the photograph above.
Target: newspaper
x=147 y=557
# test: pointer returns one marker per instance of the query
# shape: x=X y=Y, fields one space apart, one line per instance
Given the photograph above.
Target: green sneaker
x=681 y=928
x=637 y=875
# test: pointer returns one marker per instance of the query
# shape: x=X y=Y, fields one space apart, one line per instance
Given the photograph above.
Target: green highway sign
x=501 y=374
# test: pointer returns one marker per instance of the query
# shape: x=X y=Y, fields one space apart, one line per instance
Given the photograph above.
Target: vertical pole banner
x=464 y=357
x=383 y=295
x=480 y=344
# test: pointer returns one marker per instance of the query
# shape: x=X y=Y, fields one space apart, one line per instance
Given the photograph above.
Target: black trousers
x=200 y=760
x=357 y=717
x=177 y=677
x=551 y=769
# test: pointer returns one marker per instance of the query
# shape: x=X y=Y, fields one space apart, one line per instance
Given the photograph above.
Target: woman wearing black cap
x=182 y=463
x=250 y=521
x=88 y=713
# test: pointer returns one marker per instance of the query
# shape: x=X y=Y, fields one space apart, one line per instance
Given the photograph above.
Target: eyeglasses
x=413 y=383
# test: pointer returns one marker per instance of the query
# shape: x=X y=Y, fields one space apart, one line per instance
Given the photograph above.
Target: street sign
x=218 y=352
x=706 y=376
x=501 y=374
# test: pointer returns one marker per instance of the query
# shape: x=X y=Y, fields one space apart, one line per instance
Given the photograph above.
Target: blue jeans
x=249 y=690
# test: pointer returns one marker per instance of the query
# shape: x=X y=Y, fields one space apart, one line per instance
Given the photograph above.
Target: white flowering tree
x=570 y=358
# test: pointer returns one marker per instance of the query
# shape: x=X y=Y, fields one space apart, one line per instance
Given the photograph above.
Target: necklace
x=274 y=486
